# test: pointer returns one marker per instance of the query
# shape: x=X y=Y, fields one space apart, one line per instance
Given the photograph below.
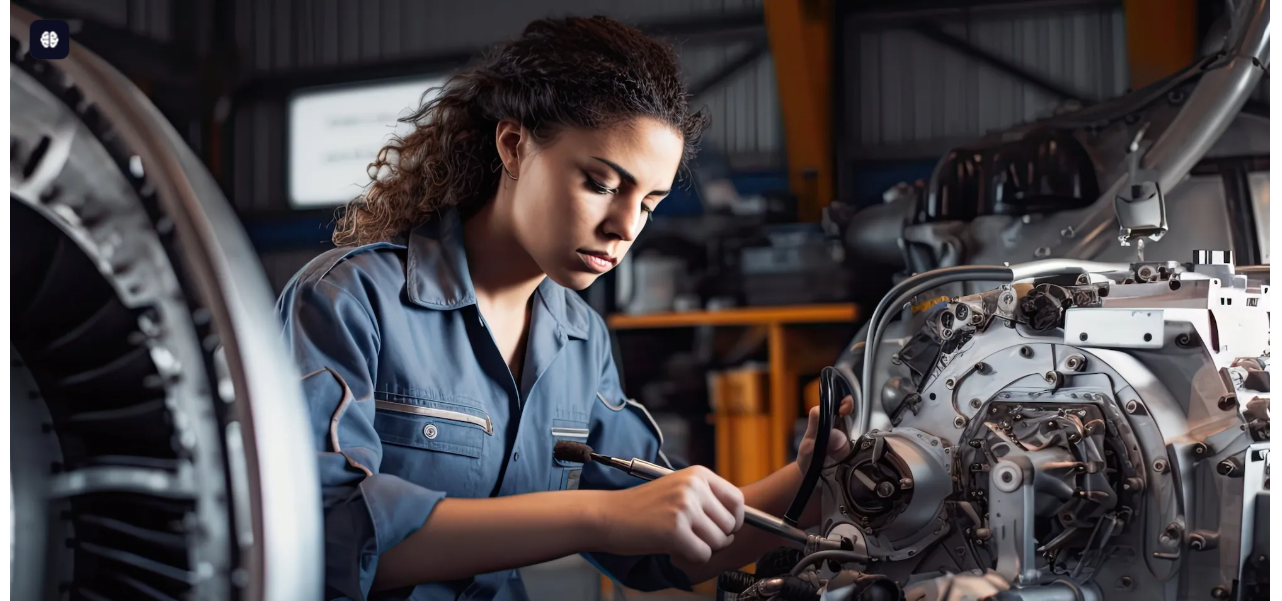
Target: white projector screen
x=335 y=133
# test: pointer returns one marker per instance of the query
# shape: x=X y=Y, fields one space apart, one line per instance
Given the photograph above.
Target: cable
x=905 y=290
x=828 y=380
x=897 y=296
x=818 y=556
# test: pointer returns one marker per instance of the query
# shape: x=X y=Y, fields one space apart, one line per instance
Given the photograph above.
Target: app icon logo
x=50 y=39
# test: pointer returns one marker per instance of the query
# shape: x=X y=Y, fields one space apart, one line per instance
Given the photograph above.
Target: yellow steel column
x=1161 y=38
x=801 y=43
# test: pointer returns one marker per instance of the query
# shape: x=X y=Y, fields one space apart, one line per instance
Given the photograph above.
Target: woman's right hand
x=689 y=515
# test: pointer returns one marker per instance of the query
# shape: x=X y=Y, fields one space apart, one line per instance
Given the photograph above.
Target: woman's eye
x=601 y=188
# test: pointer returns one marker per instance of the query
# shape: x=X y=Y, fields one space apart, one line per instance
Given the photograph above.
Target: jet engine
x=157 y=423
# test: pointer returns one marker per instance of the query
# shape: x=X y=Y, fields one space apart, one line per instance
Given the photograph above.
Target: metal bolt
x=934 y=443
x=1199 y=449
x=976 y=443
x=885 y=489
x=992 y=410
x=1159 y=466
x=950 y=383
x=1132 y=406
x=975 y=403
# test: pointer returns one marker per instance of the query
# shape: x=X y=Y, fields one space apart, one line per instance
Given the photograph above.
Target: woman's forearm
x=772 y=495
x=466 y=537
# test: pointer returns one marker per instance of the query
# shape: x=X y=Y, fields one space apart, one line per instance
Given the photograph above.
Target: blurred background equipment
x=853 y=144
x=156 y=420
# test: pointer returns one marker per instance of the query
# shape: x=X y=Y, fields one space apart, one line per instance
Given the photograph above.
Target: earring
x=509 y=173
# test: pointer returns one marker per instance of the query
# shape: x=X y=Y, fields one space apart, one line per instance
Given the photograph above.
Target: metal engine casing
x=1088 y=437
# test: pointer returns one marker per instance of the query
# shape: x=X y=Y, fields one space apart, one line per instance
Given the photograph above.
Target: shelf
x=739 y=316
x=793 y=351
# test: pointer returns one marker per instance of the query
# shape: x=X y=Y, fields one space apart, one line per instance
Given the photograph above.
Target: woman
x=446 y=351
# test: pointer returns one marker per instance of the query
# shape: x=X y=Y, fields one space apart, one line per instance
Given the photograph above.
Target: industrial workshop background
x=728 y=307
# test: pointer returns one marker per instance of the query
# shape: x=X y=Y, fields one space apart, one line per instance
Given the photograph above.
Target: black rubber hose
x=735 y=582
x=829 y=379
x=796 y=589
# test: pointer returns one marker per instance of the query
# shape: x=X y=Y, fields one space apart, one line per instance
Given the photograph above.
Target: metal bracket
x=1140 y=206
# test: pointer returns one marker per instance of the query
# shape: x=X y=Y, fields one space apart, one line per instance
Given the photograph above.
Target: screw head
x=1159 y=466
x=950 y=383
x=959 y=422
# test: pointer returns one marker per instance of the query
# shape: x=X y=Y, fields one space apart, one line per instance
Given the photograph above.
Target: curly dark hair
x=578 y=72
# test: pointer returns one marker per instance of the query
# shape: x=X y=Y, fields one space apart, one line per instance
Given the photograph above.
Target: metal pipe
x=1049 y=267
x=1216 y=99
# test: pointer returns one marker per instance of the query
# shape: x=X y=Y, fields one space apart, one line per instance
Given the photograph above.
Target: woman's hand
x=837 y=442
x=689 y=514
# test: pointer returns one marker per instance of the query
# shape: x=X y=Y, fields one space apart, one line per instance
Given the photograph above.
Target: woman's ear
x=507 y=138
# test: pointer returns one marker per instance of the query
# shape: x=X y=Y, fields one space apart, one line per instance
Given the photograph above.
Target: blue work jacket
x=411 y=401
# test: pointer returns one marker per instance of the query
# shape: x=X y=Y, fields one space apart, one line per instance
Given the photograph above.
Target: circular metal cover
x=164 y=424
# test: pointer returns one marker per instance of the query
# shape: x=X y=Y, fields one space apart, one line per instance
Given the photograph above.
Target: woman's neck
x=504 y=275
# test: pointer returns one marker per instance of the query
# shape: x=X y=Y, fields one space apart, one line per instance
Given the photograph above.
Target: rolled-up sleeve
x=623 y=428
x=332 y=333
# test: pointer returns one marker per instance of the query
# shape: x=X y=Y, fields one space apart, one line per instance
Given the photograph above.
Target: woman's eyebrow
x=628 y=177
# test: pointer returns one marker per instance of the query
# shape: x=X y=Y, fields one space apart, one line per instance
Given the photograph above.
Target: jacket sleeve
x=334 y=338
x=623 y=428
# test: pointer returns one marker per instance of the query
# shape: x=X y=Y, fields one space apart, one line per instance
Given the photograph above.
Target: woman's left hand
x=837 y=442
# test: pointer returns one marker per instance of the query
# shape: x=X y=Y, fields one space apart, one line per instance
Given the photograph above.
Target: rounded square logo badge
x=50 y=40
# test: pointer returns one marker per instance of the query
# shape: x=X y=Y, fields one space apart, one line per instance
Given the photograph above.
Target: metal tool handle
x=751 y=515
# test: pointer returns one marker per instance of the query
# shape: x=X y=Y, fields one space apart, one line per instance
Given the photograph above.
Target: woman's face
x=580 y=201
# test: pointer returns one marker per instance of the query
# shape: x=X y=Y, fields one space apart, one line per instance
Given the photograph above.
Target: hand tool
x=565 y=450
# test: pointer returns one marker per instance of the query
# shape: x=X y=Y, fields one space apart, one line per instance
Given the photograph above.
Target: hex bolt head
x=959 y=422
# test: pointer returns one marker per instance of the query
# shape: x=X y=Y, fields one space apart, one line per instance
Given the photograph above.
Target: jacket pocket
x=565 y=474
x=433 y=447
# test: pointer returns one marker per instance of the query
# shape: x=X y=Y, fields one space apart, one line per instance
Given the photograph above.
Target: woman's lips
x=596 y=263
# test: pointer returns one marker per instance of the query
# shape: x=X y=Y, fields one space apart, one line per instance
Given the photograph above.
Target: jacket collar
x=437 y=276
